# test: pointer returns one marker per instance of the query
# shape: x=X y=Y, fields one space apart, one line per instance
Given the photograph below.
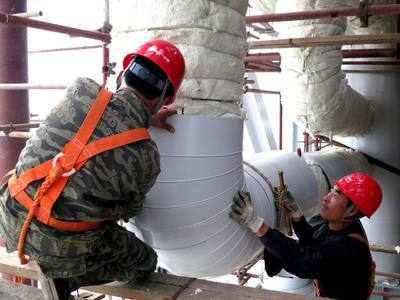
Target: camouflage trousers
x=94 y=257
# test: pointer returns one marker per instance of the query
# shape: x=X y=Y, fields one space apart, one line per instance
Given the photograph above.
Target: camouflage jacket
x=111 y=185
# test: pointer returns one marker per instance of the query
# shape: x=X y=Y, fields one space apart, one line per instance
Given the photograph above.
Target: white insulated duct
x=185 y=216
x=212 y=38
x=315 y=91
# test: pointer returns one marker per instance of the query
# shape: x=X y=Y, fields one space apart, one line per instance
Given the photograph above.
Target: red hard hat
x=165 y=55
x=362 y=190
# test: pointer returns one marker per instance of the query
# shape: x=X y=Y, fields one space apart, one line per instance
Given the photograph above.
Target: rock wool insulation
x=315 y=91
x=211 y=36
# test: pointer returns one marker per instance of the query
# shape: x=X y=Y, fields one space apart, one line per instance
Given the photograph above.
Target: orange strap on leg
x=53 y=176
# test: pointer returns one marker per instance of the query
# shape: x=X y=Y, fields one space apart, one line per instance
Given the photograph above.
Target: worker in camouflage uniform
x=109 y=187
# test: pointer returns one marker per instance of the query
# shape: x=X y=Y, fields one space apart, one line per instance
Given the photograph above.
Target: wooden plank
x=9 y=264
x=203 y=289
x=326 y=41
x=157 y=286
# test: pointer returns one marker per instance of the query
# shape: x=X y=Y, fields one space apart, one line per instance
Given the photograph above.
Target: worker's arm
x=306 y=261
x=302 y=261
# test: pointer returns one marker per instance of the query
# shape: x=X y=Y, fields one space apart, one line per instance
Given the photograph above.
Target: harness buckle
x=54 y=163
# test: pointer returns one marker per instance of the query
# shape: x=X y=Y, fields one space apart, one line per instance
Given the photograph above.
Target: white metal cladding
x=185 y=217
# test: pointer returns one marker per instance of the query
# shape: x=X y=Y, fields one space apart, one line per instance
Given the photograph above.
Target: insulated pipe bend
x=185 y=216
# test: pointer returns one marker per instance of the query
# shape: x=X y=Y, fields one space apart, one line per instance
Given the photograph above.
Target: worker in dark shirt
x=335 y=253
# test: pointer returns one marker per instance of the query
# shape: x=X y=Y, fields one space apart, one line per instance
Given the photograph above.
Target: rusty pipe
x=323 y=13
x=28 y=86
x=65 y=49
x=73 y=32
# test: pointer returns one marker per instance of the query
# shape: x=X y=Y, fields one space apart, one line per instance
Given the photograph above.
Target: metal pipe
x=13 y=68
x=249 y=90
x=65 y=49
x=356 y=53
x=106 y=51
x=398 y=30
x=386 y=294
x=106 y=61
x=272 y=56
x=376 y=62
x=73 y=32
x=17 y=127
x=388 y=274
x=18 y=135
x=385 y=248
x=261 y=59
x=28 y=86
x=280 y=123
x=323 y=13
x=29 y=14
x=389 y=52
x=326 y=41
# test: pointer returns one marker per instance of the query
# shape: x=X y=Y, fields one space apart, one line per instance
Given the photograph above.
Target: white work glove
x=292 y=206
x=243 y=212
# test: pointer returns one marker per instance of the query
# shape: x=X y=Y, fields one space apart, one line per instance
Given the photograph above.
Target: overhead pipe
x=18 y=135
x=364 y=53
x=388 y=274
x=29 y=14
x=370 y=62
x=13 y=68
x=73 y=32
x=326 y=41
x=28 y=86
x=16 y=127
x=65 y=49
x=250 y=90
x=390 y=9
x=356 y=53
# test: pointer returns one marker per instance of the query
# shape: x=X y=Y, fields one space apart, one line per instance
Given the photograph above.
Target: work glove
x=292 y=206
x=243 y=212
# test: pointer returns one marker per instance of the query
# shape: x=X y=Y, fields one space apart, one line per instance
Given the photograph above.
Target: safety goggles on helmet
x=147 y=76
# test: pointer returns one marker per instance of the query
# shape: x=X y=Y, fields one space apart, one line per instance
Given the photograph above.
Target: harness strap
x=58 y=171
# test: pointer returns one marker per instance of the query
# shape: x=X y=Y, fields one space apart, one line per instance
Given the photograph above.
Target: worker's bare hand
x=160 y=119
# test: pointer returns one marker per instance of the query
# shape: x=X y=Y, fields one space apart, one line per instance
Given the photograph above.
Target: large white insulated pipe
x=185 y=216
x=315 y=91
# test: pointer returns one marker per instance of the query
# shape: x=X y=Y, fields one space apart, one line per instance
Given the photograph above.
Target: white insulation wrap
x=185 y=216
x=212 y=38
x=315 y=91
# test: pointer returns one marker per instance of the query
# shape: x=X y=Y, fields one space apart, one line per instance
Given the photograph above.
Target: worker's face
x=334 y=205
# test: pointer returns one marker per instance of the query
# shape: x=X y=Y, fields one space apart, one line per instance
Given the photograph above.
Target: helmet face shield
x=146 y=75
x=167 y=57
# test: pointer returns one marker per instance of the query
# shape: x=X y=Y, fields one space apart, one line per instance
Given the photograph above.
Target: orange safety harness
x=59 y=170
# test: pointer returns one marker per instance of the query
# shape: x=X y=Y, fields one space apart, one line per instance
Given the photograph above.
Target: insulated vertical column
x=14 y=104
